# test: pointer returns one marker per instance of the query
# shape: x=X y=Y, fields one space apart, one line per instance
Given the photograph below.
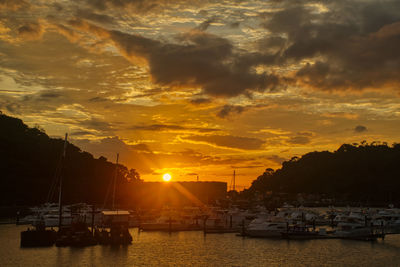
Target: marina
x=111 y=227
x=193 y=248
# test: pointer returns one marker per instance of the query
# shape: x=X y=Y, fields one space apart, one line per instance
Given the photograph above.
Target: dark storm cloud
x=228 y=110
x=356 y=42
x=201 y=60
x=228 y=141
x=360 y=129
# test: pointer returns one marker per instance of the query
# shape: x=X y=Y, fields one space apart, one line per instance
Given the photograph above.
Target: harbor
x=104 y=227
x=196 y=249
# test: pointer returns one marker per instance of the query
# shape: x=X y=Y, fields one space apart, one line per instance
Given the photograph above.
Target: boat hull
x=38 y=238
x=263 y=233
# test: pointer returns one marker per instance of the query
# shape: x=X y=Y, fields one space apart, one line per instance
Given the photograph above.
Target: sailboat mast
x=115 y=182
x=60 y=188
x=234 y=180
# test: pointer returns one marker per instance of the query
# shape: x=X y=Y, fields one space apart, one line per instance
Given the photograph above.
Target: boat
x=358 y=231
x=114 y=228
x=39 y=235
x=266 y=229
x=76 y=234
x=302 y=232
x=172 y=223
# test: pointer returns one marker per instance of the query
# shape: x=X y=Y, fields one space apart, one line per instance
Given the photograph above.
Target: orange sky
x=202 y=88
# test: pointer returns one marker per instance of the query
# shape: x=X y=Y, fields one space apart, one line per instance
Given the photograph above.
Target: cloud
x=142 y=6
x=228 y=110
x=92 y=16
x=13 y=4
x=31 y=31
x=301 y=138
x=360 y=129
x=50 y=95
x=200 y=101
x=347 y=45
x=98 y=125
x=227 y=141
x=172 y=127
x=201 y=60
x=276 y=158
x=80 y=133
x=146 y=161
x=141 y=147
x=205 y=24
x=345 y=115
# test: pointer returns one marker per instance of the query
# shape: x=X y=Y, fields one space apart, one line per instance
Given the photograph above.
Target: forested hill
x=28 y=164
x=362 y=172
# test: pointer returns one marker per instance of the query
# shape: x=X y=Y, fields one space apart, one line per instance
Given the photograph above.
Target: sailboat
x=116 y=220
x=39 y=235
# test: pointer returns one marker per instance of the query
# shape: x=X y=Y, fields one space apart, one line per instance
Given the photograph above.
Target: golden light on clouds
x=235 y=86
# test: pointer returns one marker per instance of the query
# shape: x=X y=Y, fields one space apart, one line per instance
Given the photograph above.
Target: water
x=195 y=249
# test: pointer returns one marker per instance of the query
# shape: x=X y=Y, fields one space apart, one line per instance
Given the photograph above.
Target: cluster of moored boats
x=348 y=223
x=78 y=225
x=82 y=225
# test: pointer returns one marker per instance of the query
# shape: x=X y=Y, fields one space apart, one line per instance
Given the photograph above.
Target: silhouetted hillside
x=361 y=172
x=28 y=164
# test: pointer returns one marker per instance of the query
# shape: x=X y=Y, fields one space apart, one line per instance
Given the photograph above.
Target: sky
x=202 y=88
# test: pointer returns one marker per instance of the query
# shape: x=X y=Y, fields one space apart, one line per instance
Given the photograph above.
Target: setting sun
x=167 y=177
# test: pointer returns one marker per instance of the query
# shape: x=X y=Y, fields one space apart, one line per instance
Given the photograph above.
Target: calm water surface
x=195 y=249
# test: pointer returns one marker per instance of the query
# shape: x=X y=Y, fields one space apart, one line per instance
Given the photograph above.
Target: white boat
x=267 y=226
x=357 y=231
x=266 y=229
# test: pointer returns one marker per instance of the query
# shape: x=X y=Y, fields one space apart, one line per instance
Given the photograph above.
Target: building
x=178 y=194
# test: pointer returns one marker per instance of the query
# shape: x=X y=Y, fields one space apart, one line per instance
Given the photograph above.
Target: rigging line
x=55 y=180
x=107 y=193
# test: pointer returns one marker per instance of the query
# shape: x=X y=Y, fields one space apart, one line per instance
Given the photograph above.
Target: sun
x=167 y=177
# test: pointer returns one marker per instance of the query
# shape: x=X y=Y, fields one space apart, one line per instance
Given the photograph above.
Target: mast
x=234 y=180
x=115 y=182
x=60 y=188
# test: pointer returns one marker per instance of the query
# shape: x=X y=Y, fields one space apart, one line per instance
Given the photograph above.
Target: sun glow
x=167 y=177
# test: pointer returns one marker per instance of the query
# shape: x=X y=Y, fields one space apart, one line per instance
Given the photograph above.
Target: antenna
x=197 y=178
x=115 y=181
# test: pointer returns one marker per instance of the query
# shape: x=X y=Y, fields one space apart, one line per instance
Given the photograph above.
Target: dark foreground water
x=195 y=249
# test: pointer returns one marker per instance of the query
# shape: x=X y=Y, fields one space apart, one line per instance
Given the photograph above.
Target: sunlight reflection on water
x=195 y=249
